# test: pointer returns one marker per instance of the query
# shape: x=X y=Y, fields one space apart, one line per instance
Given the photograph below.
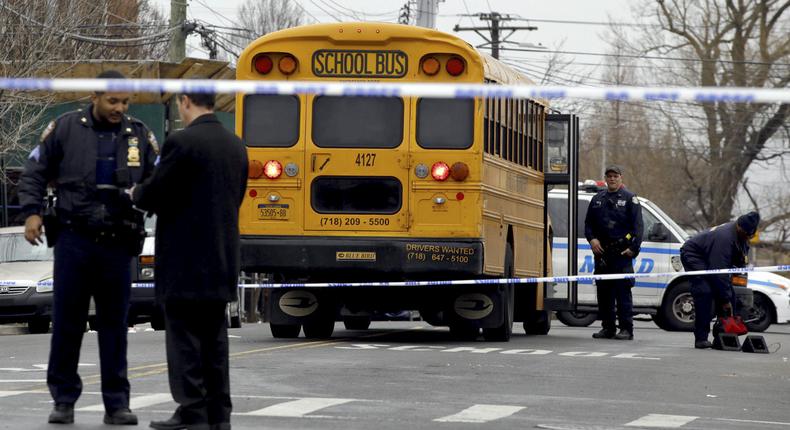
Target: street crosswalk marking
x=481 y=414
x=136 y=402
x=297 y=408
x=661 y=420
x=11 y=393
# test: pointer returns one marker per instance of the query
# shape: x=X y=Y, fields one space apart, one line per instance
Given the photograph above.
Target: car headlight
x=44 y=287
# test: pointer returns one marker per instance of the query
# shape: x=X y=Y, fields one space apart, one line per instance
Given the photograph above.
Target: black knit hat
x=749 y=222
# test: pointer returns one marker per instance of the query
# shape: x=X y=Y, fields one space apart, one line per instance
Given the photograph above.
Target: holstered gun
x=52 y=225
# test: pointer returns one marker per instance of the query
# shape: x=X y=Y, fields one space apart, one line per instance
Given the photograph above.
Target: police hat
x=614 y=168
x=749 y=222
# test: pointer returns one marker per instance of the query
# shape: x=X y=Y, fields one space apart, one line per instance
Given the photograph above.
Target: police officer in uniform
x=613 y=226
x=91 y=156
x=722 y=247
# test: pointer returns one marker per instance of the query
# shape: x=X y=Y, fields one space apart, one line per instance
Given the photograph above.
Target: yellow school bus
x=378 y=188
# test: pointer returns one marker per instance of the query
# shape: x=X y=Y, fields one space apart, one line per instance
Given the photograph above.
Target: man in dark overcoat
x=196 y=191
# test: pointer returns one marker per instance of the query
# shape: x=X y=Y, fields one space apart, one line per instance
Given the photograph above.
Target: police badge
x=133 y=153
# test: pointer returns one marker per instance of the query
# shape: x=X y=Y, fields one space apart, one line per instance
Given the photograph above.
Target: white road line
x=21 y=380
x=481 y=414
x=660 y=420
x=779 y=423
x=297 y=408
x=11 y=393
x=136 y=402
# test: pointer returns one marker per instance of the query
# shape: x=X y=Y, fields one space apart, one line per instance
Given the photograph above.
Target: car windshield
x=14 y=247
x=670 y=221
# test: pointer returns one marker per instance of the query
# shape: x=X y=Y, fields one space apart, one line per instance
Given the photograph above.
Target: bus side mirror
x=658 y=233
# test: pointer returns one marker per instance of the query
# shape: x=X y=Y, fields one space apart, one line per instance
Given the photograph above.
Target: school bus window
x=356 y=194
x=445 y=123
x=357 y=122
x=271 y=120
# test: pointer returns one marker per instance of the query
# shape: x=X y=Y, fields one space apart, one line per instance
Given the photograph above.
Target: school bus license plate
x=274 y=212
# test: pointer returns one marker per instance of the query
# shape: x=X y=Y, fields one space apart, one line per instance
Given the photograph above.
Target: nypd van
x=668 y=299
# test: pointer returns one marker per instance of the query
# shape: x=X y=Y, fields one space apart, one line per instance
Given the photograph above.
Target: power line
x=494 y=29
x=648 y=57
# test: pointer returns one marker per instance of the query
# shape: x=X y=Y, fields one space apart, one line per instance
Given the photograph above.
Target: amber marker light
x=263 y=64
x=287 y=64
x=430 y=66
x=440 y=171
x=272 y=169
x=459 y=171
x=254 y=169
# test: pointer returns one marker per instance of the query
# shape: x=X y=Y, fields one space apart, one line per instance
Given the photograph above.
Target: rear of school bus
x=367 y=188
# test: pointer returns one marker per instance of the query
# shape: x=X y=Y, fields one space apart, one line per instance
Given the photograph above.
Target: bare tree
x=725 y=43
x=45 y=38
x=259 y=17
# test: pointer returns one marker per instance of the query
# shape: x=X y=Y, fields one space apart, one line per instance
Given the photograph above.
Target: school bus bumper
x=355 y=258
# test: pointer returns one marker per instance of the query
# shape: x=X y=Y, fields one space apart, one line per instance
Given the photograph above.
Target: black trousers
x=197 y=360
x=615 y=292
x=706 y=303
x=85 y=268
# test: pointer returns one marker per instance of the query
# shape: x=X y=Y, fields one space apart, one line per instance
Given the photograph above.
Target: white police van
x=668 y=299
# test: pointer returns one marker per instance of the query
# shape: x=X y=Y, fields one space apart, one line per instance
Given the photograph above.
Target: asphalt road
x=410 y=375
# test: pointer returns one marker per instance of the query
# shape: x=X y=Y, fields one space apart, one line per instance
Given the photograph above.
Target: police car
x=668 y=299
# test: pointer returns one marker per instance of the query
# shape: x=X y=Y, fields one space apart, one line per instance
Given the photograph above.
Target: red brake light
x=272 y=169
x=440 y=171
x=455 y=66
x=263 y=64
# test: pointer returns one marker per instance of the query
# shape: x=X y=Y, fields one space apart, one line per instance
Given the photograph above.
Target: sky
x=567 y=35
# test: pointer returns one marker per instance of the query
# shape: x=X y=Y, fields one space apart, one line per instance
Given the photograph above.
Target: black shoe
x=220 y=426
x=173 y=423
x=624 y=335
x=604 y=334
x=122 y=417
x=62 y=413
x=702 y=344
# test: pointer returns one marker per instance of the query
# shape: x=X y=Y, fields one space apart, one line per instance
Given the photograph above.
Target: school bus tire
x=540 y=324
x=321 y=328
x=504 y=331
x=356 y=323
x=285 y=331
x=464 y=331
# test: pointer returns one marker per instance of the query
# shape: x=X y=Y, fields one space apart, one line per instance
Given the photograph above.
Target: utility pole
x=426 y=13
x=495 y=28
x=178 y=40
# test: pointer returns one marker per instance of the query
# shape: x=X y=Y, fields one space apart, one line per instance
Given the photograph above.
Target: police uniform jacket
x=67 y=155
x=716 y=248
x=615 y=219
x=196 y=192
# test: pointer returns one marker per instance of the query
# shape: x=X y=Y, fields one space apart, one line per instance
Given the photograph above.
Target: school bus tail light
x=440 y=171
x=455 y=66
x=263 y=64
x=272 y=169
x=254 y=169
x=430 y=65
x=287 y=64
x=459 y=171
